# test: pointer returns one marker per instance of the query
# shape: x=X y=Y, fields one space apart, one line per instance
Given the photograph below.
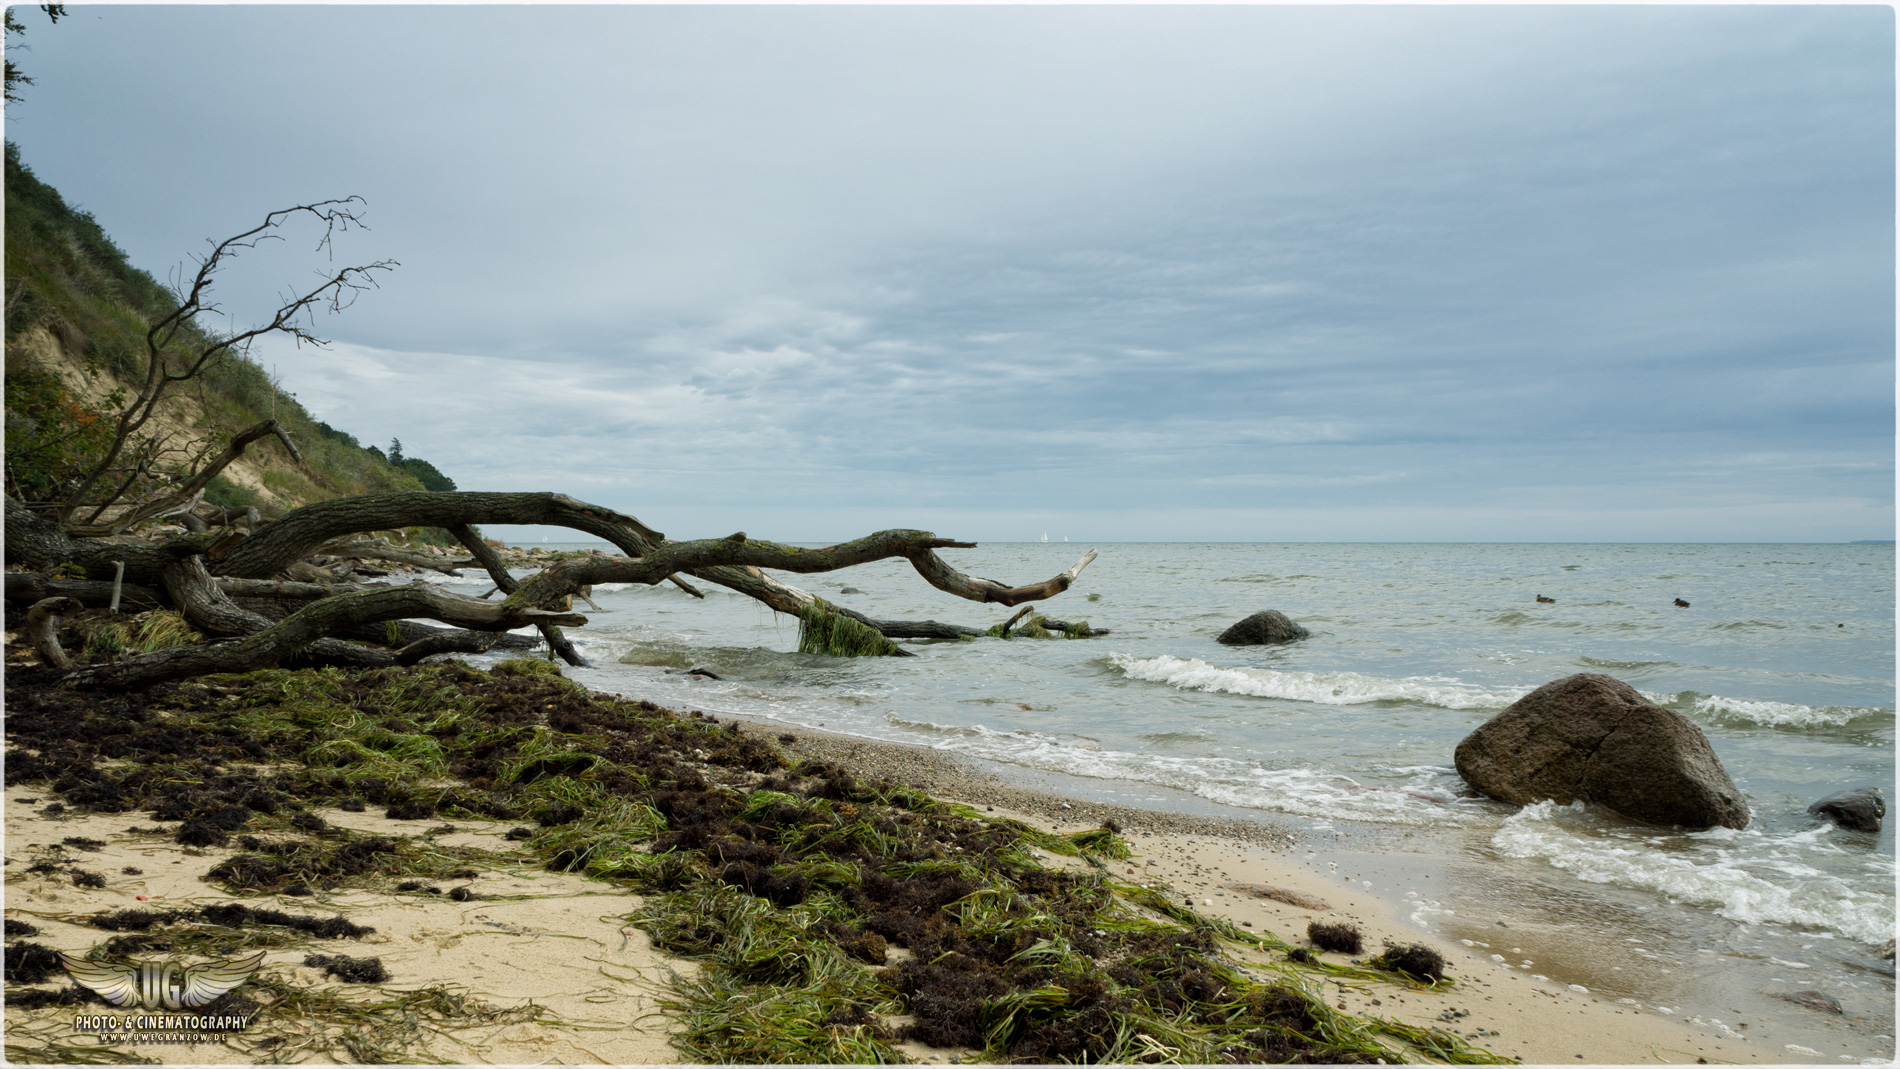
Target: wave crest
x=1320 y=688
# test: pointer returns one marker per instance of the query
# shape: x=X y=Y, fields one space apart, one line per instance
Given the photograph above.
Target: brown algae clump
x=821 y=906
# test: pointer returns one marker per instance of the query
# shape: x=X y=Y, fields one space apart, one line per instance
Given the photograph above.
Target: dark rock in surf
x=1857 y=810
x=1593 y=738
x=1262 y=628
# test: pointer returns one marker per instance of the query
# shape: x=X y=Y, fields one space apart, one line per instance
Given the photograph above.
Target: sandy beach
x=503 y=961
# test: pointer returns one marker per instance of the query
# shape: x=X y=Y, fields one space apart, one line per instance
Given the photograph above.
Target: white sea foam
x=1246 y=784
x=1724 y=871
x=1353 y=688
x=1320 y=688
x=1773 y=714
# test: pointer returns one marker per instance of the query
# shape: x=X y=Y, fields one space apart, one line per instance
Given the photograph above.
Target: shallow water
x=1785 y=658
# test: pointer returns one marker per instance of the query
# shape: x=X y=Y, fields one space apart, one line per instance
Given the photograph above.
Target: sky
x=1251 y=273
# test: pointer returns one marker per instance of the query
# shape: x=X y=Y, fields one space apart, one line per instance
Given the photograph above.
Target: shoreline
x=1608 y=1030
x=1209 y=863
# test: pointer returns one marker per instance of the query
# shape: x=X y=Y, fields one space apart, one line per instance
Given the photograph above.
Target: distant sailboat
x=1045 y=535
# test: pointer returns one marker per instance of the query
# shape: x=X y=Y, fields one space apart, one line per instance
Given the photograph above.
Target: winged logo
x=156 y=984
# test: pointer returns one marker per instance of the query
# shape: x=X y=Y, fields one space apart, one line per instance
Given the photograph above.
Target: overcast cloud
x=1263 y=273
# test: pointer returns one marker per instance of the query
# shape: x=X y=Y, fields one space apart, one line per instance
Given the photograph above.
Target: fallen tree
x=242 y=589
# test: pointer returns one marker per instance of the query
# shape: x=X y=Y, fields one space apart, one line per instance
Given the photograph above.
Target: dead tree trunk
x=42 y=626
x=206 y=574
x=486 y=556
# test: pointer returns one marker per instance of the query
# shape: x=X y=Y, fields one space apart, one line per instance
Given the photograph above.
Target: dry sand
x=575 y=984
x=553 y=945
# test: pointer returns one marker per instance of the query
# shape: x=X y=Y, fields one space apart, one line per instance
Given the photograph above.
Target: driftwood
x=42 y=627
x=186 y=495
x=1020 y=613
x=29 y=587
x=491 y=561
x=915 y=628
x=250 y=590
x=382 y=549
x=307 y=627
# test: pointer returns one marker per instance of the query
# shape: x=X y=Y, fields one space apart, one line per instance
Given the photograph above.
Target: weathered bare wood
x=308 y=625
x=29 y=587
x=383 y=549
x=915 y=628
x=206 y=607
x=289 y=446
x=42 y=626
x=278 y=588
x=163 y=341
x=947 y=579
x=703 y=556
x=448 y=642
x=297 y=535
x=276 y=599
x=185 y=494
x=1072 y=627
x=737 y=562
x=492 y=563
x=410 y=632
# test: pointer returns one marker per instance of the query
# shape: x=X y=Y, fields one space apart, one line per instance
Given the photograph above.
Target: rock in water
x=1856 y=810
x=1261 y=629
x=1594 y=738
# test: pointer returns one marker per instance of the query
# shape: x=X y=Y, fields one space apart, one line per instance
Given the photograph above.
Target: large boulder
x=1261 y=629
x=1593 y=738
x=1856 y=810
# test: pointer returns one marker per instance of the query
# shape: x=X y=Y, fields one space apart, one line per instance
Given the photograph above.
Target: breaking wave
x=1320 y=688
x=1748 y=876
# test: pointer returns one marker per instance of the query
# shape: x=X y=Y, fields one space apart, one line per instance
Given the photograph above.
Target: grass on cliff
x=834 y=917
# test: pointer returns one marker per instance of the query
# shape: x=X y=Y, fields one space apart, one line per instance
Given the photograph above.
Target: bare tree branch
x=295 y=316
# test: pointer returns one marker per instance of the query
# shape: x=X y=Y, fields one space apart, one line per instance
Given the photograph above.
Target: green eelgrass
x=606 y=841
x=296 y=1022
x=62 y=1049
x=830 y=1020
x=1092 y=968
x=528 y=666
x=160 y=629
x=823 y=630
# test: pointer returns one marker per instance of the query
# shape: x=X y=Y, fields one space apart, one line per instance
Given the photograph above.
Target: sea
x=1784 y=657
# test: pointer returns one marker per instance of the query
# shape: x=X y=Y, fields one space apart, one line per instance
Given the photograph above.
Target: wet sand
x=563 y=978
x=1532 y=985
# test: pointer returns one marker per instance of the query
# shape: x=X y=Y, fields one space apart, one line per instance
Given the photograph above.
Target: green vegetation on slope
x=66 y=275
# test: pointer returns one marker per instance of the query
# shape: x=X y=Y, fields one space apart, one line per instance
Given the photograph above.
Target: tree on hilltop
x=15 y=30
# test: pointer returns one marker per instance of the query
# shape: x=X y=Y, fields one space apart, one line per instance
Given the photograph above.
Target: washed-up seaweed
x=792 y=882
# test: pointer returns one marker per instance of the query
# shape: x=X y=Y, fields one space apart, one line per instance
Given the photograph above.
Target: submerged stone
x=1261 y=629
x=1861 y=809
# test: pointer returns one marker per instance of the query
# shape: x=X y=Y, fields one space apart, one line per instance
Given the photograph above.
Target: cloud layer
x=1264 y=273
